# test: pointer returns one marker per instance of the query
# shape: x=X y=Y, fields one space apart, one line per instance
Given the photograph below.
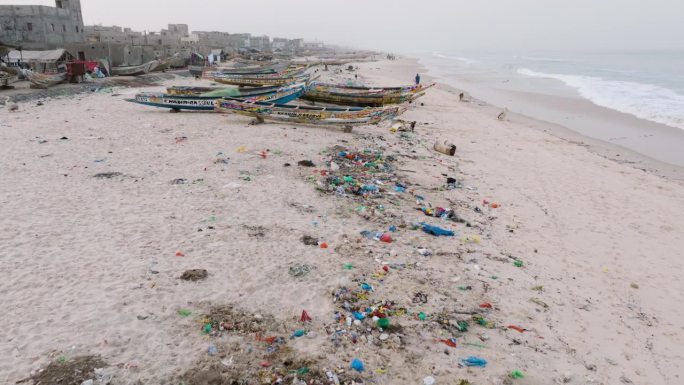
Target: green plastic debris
x=493 y=277
x=348 y=266
x=184 y=312
x=207 y=328
x=422 y=316
x=518 y=263
x=383 y=323
x=348 y=179
x=302 y=371
x=62 y=359
x=516 y=374
x=473 y=344
x=462 y=326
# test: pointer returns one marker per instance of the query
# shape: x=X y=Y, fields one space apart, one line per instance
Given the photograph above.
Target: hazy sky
x=415 y=25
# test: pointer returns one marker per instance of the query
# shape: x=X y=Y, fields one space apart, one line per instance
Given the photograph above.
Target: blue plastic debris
x=474 y=361
x=366 y=287
x=436 y=230
x=357 y=365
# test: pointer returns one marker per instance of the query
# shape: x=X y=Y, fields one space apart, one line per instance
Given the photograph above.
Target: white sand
x=79 y=253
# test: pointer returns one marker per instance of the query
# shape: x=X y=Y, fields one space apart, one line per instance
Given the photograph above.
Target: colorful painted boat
x=135 y=70
x=261 y=80
x=205 y=102
x=362 y=96
x=340 y=116
x=191 y=90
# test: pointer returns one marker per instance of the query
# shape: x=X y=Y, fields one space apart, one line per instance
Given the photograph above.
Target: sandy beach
x=565 y=265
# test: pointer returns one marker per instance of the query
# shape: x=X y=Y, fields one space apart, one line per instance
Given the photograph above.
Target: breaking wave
x=465 y=60
x=645 y=101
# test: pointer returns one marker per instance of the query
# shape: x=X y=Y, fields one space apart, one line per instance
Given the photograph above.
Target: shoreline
x=603 y=147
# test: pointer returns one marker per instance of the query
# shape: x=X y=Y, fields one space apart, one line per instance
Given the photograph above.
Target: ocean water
x=648 y=85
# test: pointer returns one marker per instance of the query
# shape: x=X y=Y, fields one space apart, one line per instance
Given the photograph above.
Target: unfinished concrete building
x=40 y=26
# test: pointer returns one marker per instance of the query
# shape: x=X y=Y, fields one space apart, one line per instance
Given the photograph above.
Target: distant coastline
x=642 y=140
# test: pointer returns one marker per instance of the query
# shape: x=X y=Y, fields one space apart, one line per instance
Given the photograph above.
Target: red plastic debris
x=305 y=316
x=324 y=245
x=269 y=340
x=494 y=205
x=386 y=268
x=485 y=202
x=264 y=364
x=386 y=237
x=263 y=154
x=449 y=342
x=179 y=254
x=517 y=328
x=486 y=305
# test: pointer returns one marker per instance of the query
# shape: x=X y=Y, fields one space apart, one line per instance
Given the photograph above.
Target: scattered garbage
x=436 y=230
x=306 y=163
x=357 y=365
x=445 y=148
x=473 y=361
x=516 y=374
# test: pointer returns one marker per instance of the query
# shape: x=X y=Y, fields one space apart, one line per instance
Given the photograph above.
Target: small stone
x=566 y=377
x=142 y=317
x=87 y=382
x=194 y=275
x=589 y=366
x=384 y=336
x=429 y=380
x=634 y=285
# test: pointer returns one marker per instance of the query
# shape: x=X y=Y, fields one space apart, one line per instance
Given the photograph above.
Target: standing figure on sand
x=417 y=79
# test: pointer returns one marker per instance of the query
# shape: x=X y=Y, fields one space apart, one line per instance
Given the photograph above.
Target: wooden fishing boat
x=190 y=90
x=39 y=80
x=162 y=66
x=135 y=70
x=261 y=80
x=340 y=116
x=205 y=102
x=362 y=96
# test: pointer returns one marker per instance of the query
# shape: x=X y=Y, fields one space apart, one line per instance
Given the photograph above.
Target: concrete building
x=42 y=27
x=260 y=43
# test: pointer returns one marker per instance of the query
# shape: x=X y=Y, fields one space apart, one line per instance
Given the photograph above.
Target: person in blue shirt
x=417 y=79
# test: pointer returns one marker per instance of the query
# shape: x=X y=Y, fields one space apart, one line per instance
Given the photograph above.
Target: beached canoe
x=261 y=80
x=191 y=90
x=135 y=70
x=340 y=116
x=39 y=80
x=362 y=96
x=205 y=102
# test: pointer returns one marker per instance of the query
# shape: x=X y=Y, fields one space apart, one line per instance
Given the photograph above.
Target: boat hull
x=135 y=70
x=207 y=103
x=347 y=117
x=362 y=96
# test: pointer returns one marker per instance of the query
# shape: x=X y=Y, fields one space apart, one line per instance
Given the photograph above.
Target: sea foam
x=645 y=101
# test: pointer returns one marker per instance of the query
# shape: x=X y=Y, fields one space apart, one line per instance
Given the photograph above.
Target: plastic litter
x=516 y=374
x=517 y=328
x=305 y=316
x=422 y=316
x=518 y=263
x=436 y=230
x=429 y=380
x=383 y=323
x=212 y=350
x=357 y=365
x=386 y=237
x=299 y=333
x=474 y=361
x=451 y=342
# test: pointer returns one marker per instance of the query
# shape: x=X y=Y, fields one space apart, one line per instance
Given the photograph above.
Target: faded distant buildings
x=35 y=27
x=42 y=27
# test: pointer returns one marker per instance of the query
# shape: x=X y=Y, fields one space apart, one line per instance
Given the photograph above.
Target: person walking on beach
x=417 y=79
